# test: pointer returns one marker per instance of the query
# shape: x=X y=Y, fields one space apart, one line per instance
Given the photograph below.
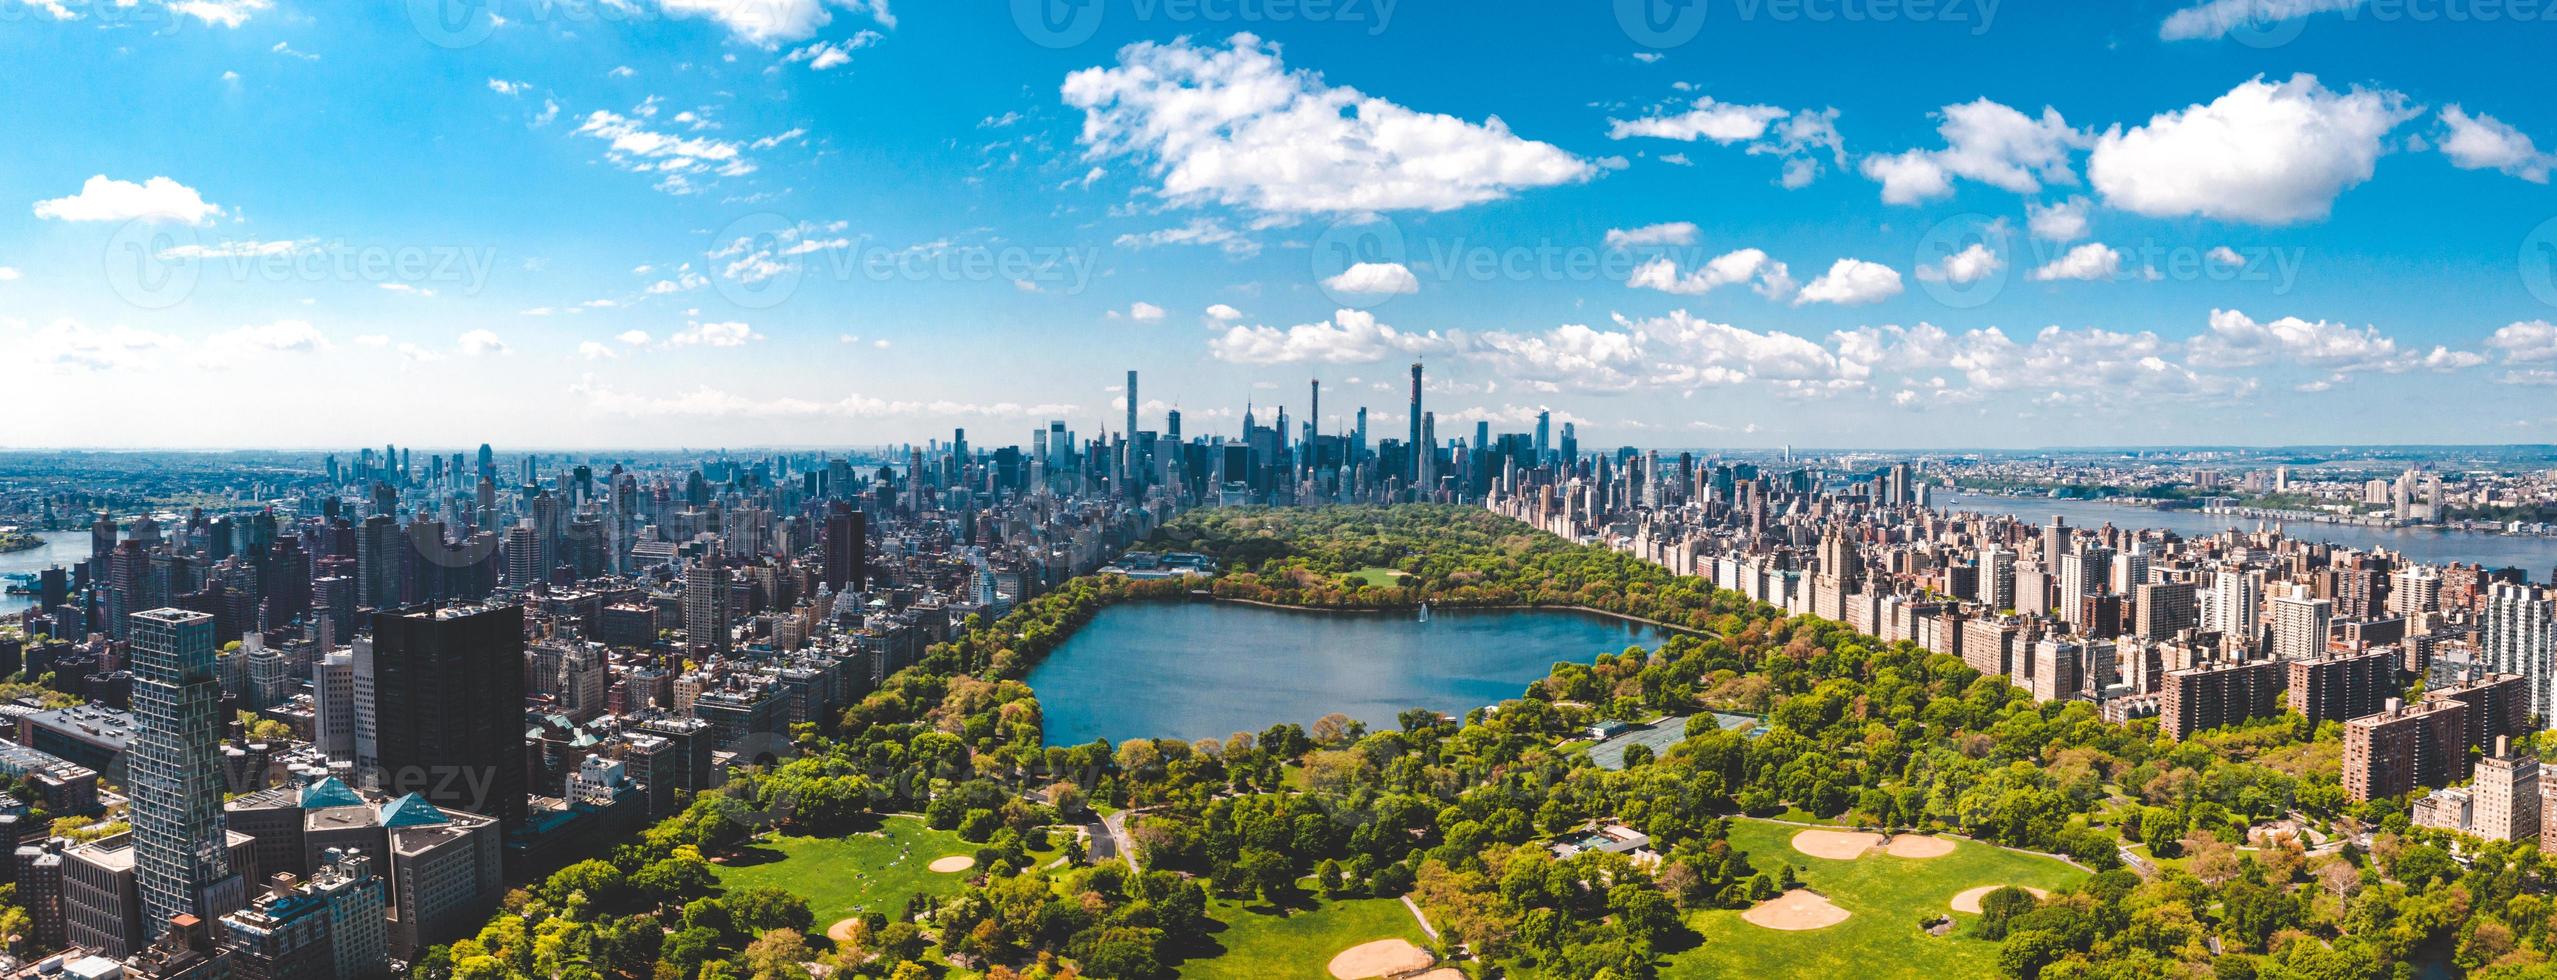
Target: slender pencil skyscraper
x=181 y=858
x=1419 y=451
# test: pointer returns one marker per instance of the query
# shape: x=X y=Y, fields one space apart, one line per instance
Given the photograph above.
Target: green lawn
x=1258 y=942
x=1376 y=575
x=1886 y=895
x=838 y=876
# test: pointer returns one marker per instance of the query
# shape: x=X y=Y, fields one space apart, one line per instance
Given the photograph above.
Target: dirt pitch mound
x=1836 y=845
x=951 y=865
x=1968 y=899
x=1382 y=958
x=1795 y=911
x=1917 y=846
x=841 y=932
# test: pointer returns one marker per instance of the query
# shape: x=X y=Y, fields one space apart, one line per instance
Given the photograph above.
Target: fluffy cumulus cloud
x=2264 y=153
x=1349 y=337
x=728 y=333
x=1802 y=137
x=478 y=343
x=1983 y=141
x=2526 y=342
x=2483 y=142
x=1569 y=357
x=1222 y=313
x=1691 y=351
x=2059 y=221
x=218 y=13
x=2215 y=19
x=1236 y=126
x=156 y=199
x=1771 y=278
x=2234 y=339
x=1852 y=282
x=768 y=22
x=1668 y=233
x=1374 y=279
x=1974 y=263
x=73 y=345
x=2091 y=261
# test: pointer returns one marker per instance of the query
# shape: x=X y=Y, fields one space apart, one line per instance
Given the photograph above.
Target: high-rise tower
x=181 y=857
x=1418 y=450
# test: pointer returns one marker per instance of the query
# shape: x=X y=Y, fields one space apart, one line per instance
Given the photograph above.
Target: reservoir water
x=1193 y=670
x=2536 y=554
x=64 y=548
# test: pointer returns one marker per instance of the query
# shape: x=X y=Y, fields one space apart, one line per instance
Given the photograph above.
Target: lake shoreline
x=1415 y=607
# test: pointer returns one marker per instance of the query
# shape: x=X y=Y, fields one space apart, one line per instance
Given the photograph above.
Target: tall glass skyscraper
x=181 y=859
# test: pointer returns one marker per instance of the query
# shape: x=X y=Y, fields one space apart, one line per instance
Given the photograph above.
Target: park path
x=1423 y=917
x=1116 y=824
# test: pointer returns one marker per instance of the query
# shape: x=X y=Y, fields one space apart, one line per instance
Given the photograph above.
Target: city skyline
x=790 y=222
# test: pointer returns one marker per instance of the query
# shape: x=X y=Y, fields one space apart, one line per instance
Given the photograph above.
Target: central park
x=1623 y=773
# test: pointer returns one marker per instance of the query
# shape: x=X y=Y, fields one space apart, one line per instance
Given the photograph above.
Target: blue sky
x=811 y=222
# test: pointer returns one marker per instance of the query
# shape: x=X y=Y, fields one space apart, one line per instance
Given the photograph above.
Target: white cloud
x=1774 y=281
x=634 y=338
x=280 y=337
x=1850 y=282
x=1144 y=312
x=1670 y=233
x=2527 y=341
x=1572 y=356
x=2264 y=153
x=156 y=199
x=1721 y=122
x=823 y=55
x=1223 y=313
x=477 y=343
x=406 y=289
x=236 y=249
x=1984 y=141
x=2237 y=340
x=728 y=333
x=2483 y=142
x=766 y=22
x=71 y=344
x=1235 y=126
x=1200 y=231
x=10 y=274
x=2226 y=256
x=2089 y=262
x=504 y=87
x=1694 y=352
x=634 y=147
x=2216 y=18
x=1374 y=278
x=219 y=13
x=2062 y=221
x=1349 y=337
x=1972 y=264
x=593 y=351
x=706 y=402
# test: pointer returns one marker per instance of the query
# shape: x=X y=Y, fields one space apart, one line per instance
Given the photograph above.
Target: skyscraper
x=448 y=706
x=706 y=603
x=181 y=863
x=2521 y=638
x=845 y=543
x=1418 y=449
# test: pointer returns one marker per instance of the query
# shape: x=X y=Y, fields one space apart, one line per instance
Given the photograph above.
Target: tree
x=777 y=955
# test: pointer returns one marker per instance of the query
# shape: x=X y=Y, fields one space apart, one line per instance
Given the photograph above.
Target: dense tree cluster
x=1458 y=813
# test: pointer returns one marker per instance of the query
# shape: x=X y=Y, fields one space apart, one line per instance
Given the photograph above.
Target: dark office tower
x=1313 y=423
x=487 y=463
x=377 y=562
x=101 y=541
x=1130 y=431
x=1172 y=426
x=1544 y=437
x=180 y=856
x=1419 y=449
x=448 y=713
x=129 y=581
x=286 y=583
x=846 y=564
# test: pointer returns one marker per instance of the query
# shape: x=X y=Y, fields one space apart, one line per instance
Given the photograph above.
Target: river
x=64 y=548
x=2536 y=554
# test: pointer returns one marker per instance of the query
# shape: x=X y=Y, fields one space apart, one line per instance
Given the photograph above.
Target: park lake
x=1194 y=670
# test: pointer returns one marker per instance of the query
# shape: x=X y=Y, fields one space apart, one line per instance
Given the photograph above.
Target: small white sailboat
x=1424 y=612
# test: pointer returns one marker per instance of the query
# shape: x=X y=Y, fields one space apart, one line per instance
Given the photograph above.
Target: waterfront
x=2536 y=554
x=1207 y=670
x=63 y=548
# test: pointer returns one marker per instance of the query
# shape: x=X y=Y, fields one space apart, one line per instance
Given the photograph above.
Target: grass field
x=1886 y=895
x=839 y=876
x=1376 y=575
x=1258 y=942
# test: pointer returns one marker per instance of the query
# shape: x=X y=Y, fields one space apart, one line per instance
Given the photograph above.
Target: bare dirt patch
x=1968 y=899
x=1836 y=845
x=1382 y=958
x=841 y=932
x=1795 y=911
x=951 y=865
x=1918 y=846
